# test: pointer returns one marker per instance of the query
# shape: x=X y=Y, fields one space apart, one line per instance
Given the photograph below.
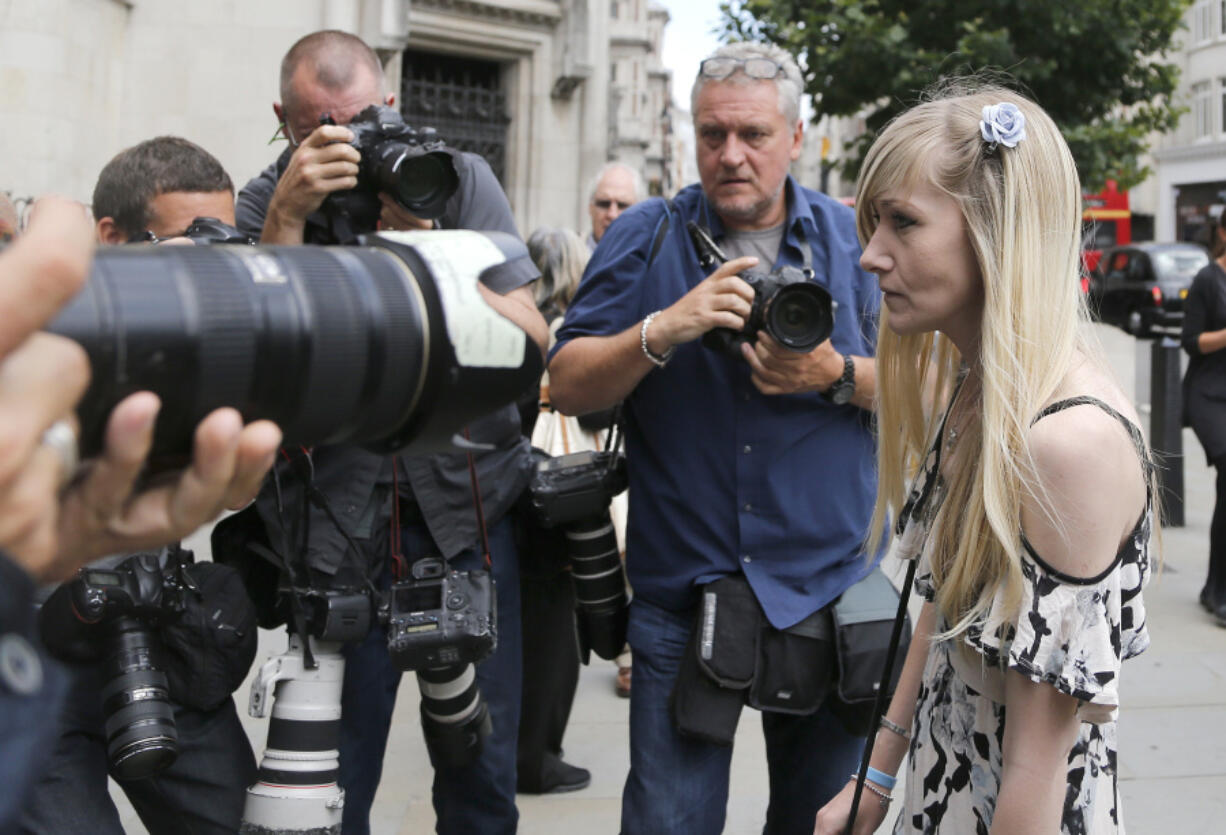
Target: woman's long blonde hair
x=1022 y=209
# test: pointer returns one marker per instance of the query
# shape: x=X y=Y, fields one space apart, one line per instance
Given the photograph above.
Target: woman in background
x=1204 y=400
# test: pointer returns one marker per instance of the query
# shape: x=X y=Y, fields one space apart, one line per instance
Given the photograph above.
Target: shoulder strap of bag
x=662 y=226
x=879 y=703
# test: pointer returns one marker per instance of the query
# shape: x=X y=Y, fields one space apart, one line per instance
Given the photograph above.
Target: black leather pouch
x=719 y=662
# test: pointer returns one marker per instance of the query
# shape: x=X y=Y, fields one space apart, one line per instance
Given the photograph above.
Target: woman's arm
x=1041 y=728
x=1196 y=338
x=1091 y=491
x=1210 y=341
x=889 y=748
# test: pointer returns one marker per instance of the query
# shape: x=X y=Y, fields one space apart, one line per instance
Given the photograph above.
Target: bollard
x=1166 y=427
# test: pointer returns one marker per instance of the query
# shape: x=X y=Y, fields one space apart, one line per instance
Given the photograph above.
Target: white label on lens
x=264 y=269
x=456 y=257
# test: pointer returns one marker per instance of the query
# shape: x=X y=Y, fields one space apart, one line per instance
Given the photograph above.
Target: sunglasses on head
x=760 y=68
x=604 y=205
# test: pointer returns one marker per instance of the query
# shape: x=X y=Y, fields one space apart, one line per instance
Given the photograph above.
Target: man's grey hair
x=790 y=84
x=640 y=187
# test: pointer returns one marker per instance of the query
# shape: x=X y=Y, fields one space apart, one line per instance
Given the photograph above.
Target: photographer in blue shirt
x=756 y=464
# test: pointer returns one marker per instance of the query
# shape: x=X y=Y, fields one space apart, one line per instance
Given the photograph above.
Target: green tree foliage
x=1097 y=66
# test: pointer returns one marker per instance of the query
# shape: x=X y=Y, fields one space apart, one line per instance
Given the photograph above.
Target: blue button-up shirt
x=722 y=477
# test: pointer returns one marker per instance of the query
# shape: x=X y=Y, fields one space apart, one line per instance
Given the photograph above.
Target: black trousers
x=551 y=671
x=1216 y=581
x=202 y=793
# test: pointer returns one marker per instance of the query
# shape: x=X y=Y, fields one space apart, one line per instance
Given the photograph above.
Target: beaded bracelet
x=883 y=798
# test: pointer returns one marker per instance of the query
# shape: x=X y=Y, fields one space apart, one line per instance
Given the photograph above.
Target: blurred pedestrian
x=1204 y=400
x=550 y=651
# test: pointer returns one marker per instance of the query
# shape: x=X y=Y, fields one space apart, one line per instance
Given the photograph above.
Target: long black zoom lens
x=454 y=718
x=387 y=345
x=800 y=316
x=600 y=584
x=141 y=738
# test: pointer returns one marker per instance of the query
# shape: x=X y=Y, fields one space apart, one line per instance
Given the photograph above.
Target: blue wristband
x=881 y=778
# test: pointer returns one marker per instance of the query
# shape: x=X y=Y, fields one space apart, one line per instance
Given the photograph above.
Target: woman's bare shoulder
x=1091 y=484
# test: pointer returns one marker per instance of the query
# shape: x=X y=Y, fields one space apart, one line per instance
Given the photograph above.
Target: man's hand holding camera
x=721 y=300
x=325 y=162
x=395 y=217
x=777 y=370
x=101 y=514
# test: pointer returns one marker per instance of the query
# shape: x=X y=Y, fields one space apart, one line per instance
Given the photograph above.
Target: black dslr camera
x=413 y=166
x=440 y=623
x=571 y=487
x=796 y=312
x=440 y=617
x=210 y=230
x=112 y=613
x=573 y=492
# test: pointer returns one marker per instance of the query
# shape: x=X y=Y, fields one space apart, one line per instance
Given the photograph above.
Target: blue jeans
x=679 y=785
x=479 y=798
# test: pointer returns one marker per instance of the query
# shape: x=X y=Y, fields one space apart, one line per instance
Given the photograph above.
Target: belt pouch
x=795 y=666
x=863 y=621
x=718 y=664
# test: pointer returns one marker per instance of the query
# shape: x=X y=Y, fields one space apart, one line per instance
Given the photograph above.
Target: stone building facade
x=1190 y=163
x=525 y=82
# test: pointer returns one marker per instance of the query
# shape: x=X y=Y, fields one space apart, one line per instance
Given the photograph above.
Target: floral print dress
x=1070 y=632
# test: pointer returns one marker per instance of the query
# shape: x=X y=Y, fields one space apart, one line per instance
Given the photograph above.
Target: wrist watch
x=842 y=389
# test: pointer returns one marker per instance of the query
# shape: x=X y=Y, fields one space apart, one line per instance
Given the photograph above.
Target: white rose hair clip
x=1002 y=124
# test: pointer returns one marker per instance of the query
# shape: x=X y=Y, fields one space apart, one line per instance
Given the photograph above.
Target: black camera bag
x=863 y=621
x=795 y=666
x=210 y=648
x=240 y=541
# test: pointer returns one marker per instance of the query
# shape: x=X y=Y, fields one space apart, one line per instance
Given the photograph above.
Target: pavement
x=1172 y=722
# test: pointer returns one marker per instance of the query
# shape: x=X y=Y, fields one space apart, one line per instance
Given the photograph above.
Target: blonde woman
x=1031 y=508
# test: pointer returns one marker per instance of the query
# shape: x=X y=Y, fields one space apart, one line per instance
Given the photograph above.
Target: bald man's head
x=332 y=59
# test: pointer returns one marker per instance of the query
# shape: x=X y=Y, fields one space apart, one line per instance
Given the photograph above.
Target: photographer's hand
x=101 y=513
x=394 y=217
x=325 y=162
x=776 y=370
x=721 y=300
x=41 y=376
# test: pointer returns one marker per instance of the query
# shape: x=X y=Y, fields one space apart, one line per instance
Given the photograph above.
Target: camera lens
x=600 y=583
x=454 y=718
x=424 y=182
x=141 y=738
x=359 y=345
x=800 y=316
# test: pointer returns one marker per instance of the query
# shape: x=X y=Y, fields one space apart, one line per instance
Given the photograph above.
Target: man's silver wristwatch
x=842 y=389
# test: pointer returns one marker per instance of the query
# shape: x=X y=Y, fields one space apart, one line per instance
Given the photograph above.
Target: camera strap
x=477 y=505
x=400 y=566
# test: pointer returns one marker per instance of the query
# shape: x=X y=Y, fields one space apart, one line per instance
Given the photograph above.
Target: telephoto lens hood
x=388 y=344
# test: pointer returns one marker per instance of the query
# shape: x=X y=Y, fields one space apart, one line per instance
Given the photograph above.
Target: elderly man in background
x=615 y=188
